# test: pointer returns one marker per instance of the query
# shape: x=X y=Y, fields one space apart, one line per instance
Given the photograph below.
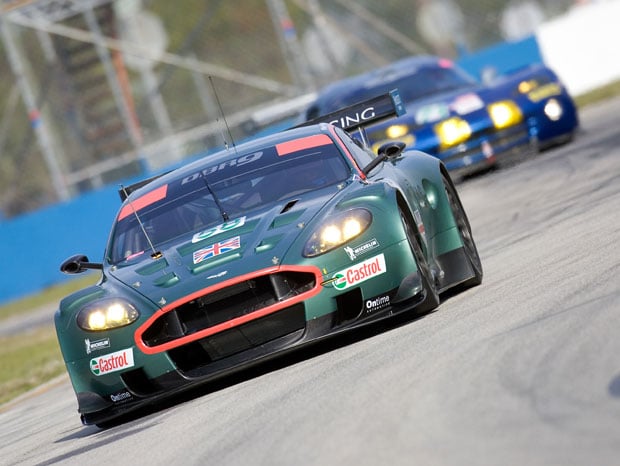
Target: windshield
x=412 y=84
x=219 y=193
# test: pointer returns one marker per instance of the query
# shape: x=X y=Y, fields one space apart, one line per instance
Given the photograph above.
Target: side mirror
x=78 y=264
x=392 y=148
x=386 y=151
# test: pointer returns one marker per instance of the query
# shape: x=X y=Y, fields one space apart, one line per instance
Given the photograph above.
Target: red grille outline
x=233 y=322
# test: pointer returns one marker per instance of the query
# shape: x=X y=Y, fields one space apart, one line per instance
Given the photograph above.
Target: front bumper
x=169 y=368
x=486 y=148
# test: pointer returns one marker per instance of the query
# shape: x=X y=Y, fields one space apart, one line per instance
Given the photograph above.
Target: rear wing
x=363 y=113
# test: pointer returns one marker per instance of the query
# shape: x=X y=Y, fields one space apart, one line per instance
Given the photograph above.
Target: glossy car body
x=466 y=124
x=254 y=251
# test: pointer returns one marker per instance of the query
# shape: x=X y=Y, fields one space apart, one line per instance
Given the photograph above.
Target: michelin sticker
x=94 y=345
x=354 y=251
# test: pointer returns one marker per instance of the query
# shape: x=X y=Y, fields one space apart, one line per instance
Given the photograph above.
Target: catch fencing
x=93 y=92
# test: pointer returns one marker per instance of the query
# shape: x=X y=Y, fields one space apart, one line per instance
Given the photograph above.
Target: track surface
x=523 y=370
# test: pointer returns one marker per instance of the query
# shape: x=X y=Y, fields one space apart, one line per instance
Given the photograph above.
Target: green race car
x=256 y=250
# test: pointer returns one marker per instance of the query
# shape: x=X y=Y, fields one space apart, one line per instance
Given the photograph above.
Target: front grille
x=281 y=328
x=234 y=301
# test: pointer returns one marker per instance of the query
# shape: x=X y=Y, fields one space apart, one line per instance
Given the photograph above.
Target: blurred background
x=94 y=91
x=98 y=93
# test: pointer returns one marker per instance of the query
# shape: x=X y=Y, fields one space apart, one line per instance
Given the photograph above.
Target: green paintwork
x=271 y=236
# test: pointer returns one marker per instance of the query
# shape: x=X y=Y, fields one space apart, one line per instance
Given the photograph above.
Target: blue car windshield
x=224 y=191
x=412 y=84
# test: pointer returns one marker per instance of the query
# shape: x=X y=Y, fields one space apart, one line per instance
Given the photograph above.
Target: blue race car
x=470 y=126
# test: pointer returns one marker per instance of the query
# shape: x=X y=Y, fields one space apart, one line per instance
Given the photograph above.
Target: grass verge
x=598 y=95
x=31 y=358
x=49 y=296
x=27 y=361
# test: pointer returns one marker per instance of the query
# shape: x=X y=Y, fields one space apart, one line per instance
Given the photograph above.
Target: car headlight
x=337 y=231
x=505 y=113
x=528 y=85
x=106 y=314
x=553 y=109
x=396 y=131
x=452 y=131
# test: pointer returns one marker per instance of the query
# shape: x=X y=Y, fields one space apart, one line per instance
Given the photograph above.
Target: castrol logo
x=112 y=362
x=360 y=272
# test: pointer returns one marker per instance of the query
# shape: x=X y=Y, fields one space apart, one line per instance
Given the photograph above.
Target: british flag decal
x=216 y=249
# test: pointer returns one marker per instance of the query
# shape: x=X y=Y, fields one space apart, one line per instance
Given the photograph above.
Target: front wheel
x=462 y=223
x=431 y=296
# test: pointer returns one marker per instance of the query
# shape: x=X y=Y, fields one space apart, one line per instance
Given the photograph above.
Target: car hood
x=243 y=245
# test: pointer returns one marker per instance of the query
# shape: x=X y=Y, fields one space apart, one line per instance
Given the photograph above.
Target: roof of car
x=360 y=79
x=229 y=153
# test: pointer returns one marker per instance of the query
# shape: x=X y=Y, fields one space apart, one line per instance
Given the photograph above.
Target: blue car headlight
x=553 y=109
x=396 y=131
x=337 y=230
x=505 y=113
x=107 y=314
x=452 y=132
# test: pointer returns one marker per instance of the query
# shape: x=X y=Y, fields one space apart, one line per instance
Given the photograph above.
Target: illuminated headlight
x=452 y=131
x=337 y=231
x=105 y=315
x=553 y=110
x=527 y=86
x=397 y=131
x=505 y=113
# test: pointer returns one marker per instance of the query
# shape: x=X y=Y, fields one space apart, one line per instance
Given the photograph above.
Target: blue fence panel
x=33 y=246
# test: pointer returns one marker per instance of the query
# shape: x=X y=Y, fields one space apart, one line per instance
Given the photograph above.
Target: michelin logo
x=96 y=345
x=356 y=251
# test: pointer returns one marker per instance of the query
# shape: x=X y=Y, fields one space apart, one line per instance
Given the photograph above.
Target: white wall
x=583 y=45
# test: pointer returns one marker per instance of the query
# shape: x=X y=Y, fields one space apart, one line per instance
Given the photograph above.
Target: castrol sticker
x=359 y=273
x=112 y=362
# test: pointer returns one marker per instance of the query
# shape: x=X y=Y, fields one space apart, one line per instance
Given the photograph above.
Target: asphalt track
x=523 y=370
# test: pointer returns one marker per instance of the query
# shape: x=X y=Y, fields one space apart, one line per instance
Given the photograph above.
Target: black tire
x=431 y=296
x=469 y=245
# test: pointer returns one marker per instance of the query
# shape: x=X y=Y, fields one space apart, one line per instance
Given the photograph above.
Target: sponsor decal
x=134 y=255
x=308 y=142
x=431 y=113
x=355 y=251
x=222 y=228
x=356 y=118
x=216 y=249
x=377 y=303
x=112 y=362
x=467 y=103
x=417 y=217
x=487 y=149
x=96 y=344
x=359 y=273
x=144 y=201
x=544 y=91
x=119 y=397
x=238 y=162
